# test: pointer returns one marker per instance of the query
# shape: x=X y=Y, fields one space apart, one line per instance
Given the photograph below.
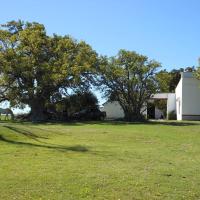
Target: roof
x=161 y=95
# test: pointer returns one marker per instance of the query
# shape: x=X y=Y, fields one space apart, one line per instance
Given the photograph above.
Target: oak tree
x=35 y=67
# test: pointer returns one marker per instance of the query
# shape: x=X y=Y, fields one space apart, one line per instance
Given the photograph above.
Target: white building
x=185 y=102
x=170 y=103
x=113 y=110
x=188 y=97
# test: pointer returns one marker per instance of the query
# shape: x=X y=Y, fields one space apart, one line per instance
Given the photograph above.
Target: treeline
x=45 y=72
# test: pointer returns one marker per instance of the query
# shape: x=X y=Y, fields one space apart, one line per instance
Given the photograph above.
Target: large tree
x=35 y=67
x=130 y=79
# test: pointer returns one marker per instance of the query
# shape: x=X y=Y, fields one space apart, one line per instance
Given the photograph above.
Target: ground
x=157 y=160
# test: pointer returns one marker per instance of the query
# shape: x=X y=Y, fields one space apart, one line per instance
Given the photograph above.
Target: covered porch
x=161 y=105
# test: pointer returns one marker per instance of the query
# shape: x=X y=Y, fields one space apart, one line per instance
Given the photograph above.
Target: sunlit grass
x=100 y=161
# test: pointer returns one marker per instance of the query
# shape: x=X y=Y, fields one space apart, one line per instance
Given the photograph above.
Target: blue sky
x=167 y=31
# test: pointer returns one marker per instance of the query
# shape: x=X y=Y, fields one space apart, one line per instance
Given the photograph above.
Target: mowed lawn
x=100 y=161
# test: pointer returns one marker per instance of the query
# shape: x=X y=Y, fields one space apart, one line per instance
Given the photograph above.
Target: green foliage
x=171 y=115
x=167 y=81
x=197 y=72
x=164 y=78
x=129 y=78
x=39 y=70
x=76 y=102
x=80 y=101
x=34 y=67
x=161 y=104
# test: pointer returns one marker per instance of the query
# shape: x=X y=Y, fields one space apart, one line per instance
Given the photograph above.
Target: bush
x=23 y=116
x=171 y=115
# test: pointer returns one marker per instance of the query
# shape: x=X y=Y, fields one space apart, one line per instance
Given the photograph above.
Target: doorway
x=151 y=111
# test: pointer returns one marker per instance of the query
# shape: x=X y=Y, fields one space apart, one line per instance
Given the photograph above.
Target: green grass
x=100 y=161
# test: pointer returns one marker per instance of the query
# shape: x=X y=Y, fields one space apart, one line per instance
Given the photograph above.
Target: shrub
x=171 y=115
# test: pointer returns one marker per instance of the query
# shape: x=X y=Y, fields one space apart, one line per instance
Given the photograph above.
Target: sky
x=164 y=30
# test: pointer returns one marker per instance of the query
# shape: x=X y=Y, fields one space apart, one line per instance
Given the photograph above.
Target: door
x=151 y=111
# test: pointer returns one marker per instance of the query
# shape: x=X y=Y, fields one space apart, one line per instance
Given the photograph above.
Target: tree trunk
x=132 y=113
x=37 y=111
x=131 y=116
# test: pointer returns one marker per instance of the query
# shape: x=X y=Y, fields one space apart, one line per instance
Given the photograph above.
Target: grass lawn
x=100 y=161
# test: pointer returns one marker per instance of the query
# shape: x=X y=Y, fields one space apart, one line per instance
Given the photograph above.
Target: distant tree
x=79 y=101
x=175 y=78
x=35 y=68
x=164 y=79
x=130 y=79
x=168 y=81
x=64 y=107
x=190 y=69
x=197 y=72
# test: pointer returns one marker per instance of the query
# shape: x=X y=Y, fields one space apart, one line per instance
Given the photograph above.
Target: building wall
x=190 y=97
x=113 y=110
x=185 y=101
x=171 y=102
x=158 y=113
x=178 y=101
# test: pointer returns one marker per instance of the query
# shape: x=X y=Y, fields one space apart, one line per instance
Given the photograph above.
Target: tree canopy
x=35 y=67
x=130 y=79
x=39 y=70
x=77 y=102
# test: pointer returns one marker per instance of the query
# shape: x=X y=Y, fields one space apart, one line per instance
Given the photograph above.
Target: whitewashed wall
x=113 y=110
x=178 y=93
x=190 y=97
x=158 y=113
x=171 y=102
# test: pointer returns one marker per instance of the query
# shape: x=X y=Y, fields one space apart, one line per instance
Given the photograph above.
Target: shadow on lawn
x=115 y=122
x=82 y=123
x=77 y=148
x=35 y=137
x=25 y=132
x=110 y=122
x=122 y=123
x=106 y=122
x=172 y=123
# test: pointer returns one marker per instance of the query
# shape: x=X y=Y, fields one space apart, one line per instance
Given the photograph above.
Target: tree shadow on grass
x=122 y=123
x=25 y=133
x=35 y=137
x=173 y=123
x=149 y=122
x=110 y=122
x=76 y=148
